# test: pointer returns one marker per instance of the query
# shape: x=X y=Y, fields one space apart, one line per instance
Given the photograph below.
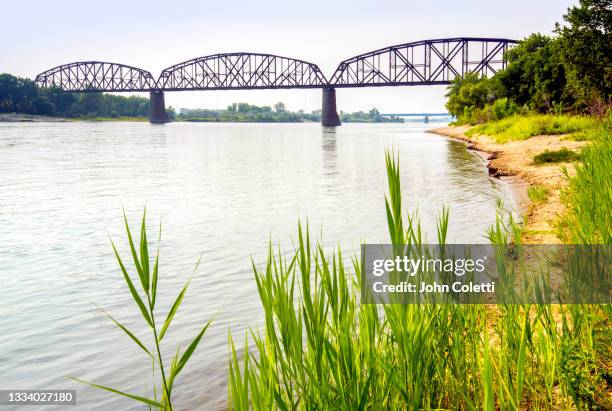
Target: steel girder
x=241 y=71
x=426 y=62
x=97 y=76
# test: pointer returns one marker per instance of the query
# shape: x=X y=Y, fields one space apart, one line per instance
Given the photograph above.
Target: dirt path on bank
x=515 y=159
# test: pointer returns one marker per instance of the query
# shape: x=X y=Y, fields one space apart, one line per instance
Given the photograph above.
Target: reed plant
x=321 y=348
x=588 y=196
x=145 y=300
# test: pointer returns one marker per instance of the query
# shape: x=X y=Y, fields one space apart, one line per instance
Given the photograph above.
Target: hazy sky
x=152 y=35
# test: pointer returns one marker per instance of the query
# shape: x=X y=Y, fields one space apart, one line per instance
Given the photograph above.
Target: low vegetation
x=537 y=194
x=519 y=127
x=555 y=156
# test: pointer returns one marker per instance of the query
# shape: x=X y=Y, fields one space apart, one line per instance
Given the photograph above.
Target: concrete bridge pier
x=158 y=113
x=329 y=114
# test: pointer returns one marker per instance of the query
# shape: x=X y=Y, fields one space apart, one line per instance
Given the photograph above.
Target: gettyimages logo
x=412 y=266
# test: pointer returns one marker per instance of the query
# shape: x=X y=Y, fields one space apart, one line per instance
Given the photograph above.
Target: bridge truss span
x=427 y=62
x=241 y=71
x=97 y=76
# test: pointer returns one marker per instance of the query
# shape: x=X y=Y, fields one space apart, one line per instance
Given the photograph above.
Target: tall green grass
x=521 y=127
x=145 y=299
x=321 y=349
x=588 y=197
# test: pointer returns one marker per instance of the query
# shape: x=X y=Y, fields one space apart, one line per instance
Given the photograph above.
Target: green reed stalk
x=148 y=284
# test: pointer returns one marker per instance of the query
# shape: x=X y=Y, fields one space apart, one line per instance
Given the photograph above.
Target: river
x=221 y=191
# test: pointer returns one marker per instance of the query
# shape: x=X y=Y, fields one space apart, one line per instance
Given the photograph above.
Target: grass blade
x=187 y=354
x=128 y=332
x=173 y=310
x=132 y=396
x=135 y=295
x=155 y=271
x=134 y=255
x=144 y=253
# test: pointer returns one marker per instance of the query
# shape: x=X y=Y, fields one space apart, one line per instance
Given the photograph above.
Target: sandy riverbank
x=515 y=160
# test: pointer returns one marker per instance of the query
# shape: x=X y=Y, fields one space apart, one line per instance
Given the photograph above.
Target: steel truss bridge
x=427 y=62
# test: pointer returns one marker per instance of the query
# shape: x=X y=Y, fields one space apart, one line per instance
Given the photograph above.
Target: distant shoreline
x=32 y=118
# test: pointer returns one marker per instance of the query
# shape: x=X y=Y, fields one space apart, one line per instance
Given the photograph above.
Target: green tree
x=467 y=93
x=62 y=101
x=535 y=75
x=17 y=94
x=587 y=50
x=171 y=112
x=280 y=107
x=42 y=106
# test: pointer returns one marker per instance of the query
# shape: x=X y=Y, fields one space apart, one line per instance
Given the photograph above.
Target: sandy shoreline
x=513 y=162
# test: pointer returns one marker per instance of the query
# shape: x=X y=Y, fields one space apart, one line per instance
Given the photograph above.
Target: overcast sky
x=37 y=35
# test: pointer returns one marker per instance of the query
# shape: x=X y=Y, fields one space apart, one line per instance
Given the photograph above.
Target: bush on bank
x=555 y=156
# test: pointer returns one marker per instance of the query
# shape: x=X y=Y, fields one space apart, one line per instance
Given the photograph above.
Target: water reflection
x=329 y=151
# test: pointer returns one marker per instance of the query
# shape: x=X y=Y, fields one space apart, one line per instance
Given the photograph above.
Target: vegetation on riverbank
x=522 y=127
x=329 y=351
x=556 y=156
x=588 y=195
x=249 y=113
x=568 y=73
x=22 y=95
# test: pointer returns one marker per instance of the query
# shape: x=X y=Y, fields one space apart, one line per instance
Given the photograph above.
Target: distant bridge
x=427 y=62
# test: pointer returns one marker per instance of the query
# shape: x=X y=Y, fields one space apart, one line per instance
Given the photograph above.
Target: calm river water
x=220 y=191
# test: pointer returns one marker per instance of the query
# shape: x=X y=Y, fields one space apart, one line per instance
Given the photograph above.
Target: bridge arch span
x=426 y=62
x=97 y=76
x=241 y=71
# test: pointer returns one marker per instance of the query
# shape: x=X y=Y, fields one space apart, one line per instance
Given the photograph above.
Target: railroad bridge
x=427 y=62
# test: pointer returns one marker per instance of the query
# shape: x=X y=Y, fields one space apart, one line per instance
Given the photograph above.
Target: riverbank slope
x=515 y=158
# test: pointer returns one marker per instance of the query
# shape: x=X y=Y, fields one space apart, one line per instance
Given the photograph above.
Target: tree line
x=570 y=71
x=22 y=95
x=245 y=112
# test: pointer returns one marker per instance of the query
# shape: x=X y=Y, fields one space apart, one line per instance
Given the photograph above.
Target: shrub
x=556 y=156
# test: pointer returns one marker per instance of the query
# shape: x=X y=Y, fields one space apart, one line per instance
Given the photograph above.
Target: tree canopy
x=22 y=95
x=570 y=71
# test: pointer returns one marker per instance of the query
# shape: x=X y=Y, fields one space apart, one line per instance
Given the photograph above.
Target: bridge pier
x=158 y=113
x=329 y=114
